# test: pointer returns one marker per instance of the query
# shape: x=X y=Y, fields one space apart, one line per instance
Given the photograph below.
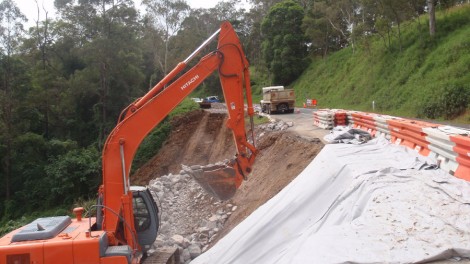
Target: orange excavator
x=126 y=222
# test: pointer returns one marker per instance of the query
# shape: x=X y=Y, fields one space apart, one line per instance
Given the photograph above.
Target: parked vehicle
x=276 y=99
x=213 y=99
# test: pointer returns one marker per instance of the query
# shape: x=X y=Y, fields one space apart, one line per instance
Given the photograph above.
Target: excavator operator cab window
x=141 y=214
x=146 y=218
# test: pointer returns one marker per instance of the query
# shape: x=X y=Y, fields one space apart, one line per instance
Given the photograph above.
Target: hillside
x=428 y=78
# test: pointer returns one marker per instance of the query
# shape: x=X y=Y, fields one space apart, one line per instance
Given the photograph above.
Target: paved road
x=303 y=123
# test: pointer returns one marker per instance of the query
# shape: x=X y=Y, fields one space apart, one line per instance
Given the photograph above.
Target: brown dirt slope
x=201 y=138
x=282 y=156
x=198 y=138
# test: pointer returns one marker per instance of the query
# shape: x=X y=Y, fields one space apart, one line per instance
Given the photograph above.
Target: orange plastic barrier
x=324 y=119
x=364 y=121
x=341 y=118
x=462 y=148
x=410 y=133
x=449 y=145
x=442 y=148
x=382 y=125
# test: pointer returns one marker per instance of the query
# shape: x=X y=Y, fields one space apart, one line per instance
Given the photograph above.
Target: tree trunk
x=432 y=17
x=8 y=161
x=104 y=102
x=9 y=131
x=399 y=36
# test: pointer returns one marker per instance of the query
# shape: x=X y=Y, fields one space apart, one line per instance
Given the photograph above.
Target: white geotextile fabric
x=368 y=203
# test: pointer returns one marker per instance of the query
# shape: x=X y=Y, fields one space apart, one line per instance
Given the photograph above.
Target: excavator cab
x=146 y=216
x=146 y=220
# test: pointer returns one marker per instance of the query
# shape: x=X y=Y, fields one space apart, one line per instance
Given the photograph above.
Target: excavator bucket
x=220 y=179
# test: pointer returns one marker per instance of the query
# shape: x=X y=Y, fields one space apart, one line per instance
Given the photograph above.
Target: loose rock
x=190 y=219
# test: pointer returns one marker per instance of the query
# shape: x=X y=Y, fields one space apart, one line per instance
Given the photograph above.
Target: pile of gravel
x=189 y=218
x=276 y=126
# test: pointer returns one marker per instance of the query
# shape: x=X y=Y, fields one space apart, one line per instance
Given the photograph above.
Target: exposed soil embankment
x=198 y=138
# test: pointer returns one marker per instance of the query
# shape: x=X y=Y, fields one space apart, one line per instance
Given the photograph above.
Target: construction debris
x=190 y=218
x=276 y=126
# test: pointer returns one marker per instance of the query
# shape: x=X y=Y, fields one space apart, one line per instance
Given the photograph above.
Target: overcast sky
x=28 y=7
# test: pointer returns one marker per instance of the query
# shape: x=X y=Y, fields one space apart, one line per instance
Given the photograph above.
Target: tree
x=103 y=35
x=11 y=30
x=342 y=16
x=432 y=17
x=259 y=9
x=167 y=16
x=284 y=45
x=317 y=27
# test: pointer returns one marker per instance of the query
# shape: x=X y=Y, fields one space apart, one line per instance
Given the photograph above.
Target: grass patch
x=258 y=120
x=427 y=78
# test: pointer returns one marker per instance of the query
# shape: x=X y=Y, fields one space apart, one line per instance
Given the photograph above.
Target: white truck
x=277 y=99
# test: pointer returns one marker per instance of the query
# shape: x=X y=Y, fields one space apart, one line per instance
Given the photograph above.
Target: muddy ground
x=201 y=137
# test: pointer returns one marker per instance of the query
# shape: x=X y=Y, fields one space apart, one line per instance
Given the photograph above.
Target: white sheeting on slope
x=365 y=203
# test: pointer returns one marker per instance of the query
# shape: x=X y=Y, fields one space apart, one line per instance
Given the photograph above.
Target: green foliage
x=8 y=225
x=284 y=46
x=449 y=102
x=184 y=107
x=259 y=79
x=87 y=204
x=429 y=77
x=73 y=174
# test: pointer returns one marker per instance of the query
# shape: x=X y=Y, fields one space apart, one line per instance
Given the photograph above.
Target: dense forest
x=65 y=80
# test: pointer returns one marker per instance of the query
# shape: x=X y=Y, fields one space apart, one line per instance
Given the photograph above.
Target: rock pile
x=189 y=218
x=276 y=126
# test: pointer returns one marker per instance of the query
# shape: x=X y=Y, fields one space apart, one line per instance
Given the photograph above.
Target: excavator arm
x=138 y=119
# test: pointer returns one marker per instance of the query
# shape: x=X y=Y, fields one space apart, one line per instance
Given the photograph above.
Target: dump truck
x=276 y=99
x=126 y=221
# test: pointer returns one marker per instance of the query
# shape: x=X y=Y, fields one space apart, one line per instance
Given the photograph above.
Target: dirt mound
x=282 y=156
x=200 y=138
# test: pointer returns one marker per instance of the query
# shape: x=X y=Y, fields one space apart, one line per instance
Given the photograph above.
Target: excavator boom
x=147 y=112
